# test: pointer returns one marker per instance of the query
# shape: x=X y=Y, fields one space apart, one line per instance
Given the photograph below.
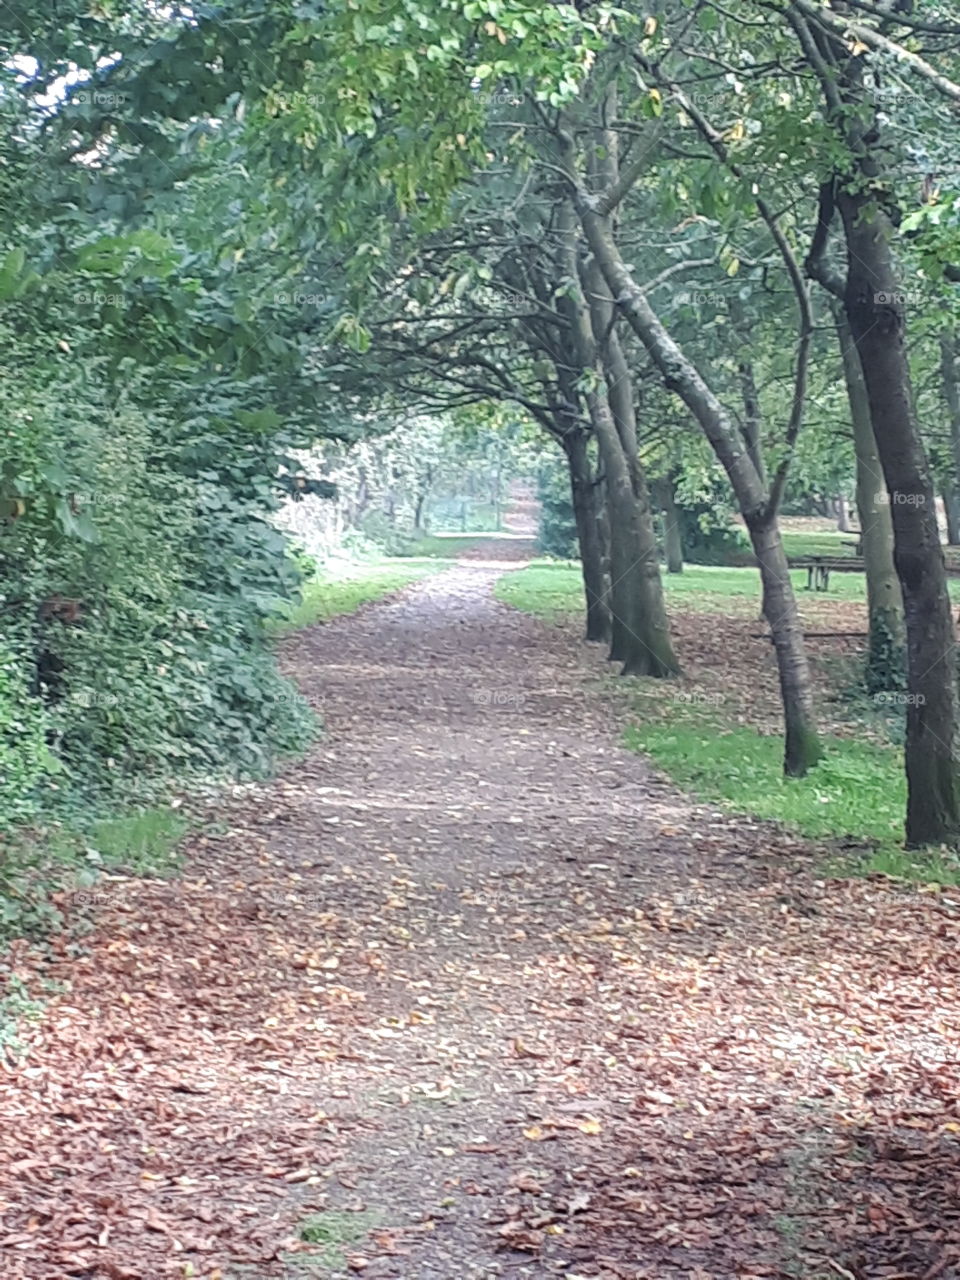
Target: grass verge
x=344 y=589
x=50 y=873
x=42 y=868
x=853 y=802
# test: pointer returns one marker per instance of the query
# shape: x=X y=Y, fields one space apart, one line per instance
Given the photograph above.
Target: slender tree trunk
x=885 y=656
x=843 y=515
x=801 y=744
x=950 y=372
x=672 y=532
x=876 y=318
x=639 y=613
x=951 y=512
x=640 y=634
x=752 y=412
x=649 y=651
x=786 y=631
x=583 y=491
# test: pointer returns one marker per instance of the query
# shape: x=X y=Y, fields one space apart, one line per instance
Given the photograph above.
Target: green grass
x=552 y=588
x=857 y=792
x=441 y=545
x=68 y=859
x=334 y=1230
x=856 y=797
x=143 y=843
x=344 y=590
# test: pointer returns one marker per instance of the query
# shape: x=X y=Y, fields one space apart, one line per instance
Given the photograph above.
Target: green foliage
x=44 y=866
x=24 y=758
x=557 y=532
x=708 y=533
x=17 y=1006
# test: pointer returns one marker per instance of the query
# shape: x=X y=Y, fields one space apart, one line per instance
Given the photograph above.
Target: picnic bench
x=819 y=568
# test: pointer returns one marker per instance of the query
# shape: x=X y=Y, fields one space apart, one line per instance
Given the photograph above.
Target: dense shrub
x=139 y=620
x=24 y=758
x=557 y=532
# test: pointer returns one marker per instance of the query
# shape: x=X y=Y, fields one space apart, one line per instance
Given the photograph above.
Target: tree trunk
x=639 y=614
x=843 y=515
x=885 y=655
x=583 y=491
x=951 y=512
x=648 y=649
x=801 y=744
x=951 y=394
x=640 y=634
x=876 y=316
x=786 y=631
x=672 y=532
x=752 y=412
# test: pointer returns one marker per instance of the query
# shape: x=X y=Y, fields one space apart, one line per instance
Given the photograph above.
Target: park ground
x=475 y=992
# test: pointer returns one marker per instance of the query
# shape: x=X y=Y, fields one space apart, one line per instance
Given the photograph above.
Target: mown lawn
x=550 y=588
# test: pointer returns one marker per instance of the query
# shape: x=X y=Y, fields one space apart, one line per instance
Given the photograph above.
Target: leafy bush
x=557 y=533
x=709 y=535
x=24 y=758
x=144 y=612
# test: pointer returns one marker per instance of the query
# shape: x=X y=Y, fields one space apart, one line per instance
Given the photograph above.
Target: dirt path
x=470 y=994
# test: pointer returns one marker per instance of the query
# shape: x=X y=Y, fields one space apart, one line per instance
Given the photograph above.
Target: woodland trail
x=470 y=993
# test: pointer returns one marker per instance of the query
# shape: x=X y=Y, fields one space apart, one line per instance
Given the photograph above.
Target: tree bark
x=639 y=614
x=640 y=634
x=801 y=743
x=950 y=372
x=843 y=515
x=672 y=531
x=874 y=308
x=951 y=512
x=876 y=316
x=752 y=413
x=885 y=654
x=583 y=491
x=647 y=649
